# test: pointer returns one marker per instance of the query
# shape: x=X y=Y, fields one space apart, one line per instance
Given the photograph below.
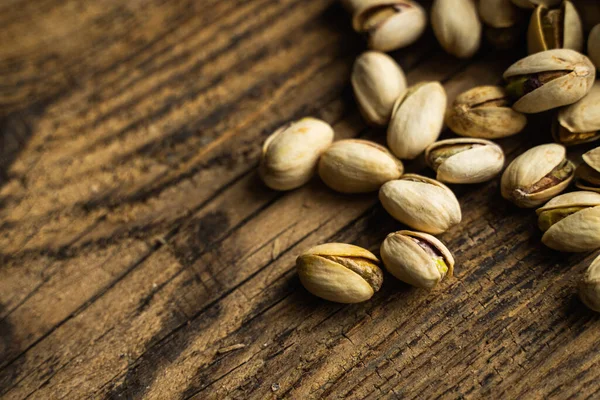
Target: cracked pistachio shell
x=593 y=46
x=377 y=81
x=484 y=112
x=456 y=26
x=555 y=29
x=340 y=272
x=290 y=155
x=416 y=258
x=588 y=174
x=389 y=24
x=498 y=13
x=549 y=79
x=465 y=160
x=535 y=3
x=579 y=122
x=537 y=175
x=421 y=203
x=358 y=166
x=572 y=222
x=417 y=119
x=589 y=287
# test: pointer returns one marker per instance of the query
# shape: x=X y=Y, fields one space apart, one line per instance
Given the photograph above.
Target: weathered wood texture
x=137 y=243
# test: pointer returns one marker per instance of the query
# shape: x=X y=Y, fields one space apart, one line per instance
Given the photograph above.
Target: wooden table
x=141 y=256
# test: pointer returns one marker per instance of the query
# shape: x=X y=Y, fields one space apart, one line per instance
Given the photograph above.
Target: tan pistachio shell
x=584 y=115
x=474 y=113
x=593 y=46
x=498 y=13
x=409 y=262
x=558 y=92
x=589 y=287
x=340 y=272
x=592 y=158
x=417 y=119
x=578 y=232
x=358 y=166
x=456 y=26
x=421 y=203
x=377 y=81
x=475 y=165
x=587 y=178
x=529 y=168
x=290 y=155
x=389 y=25
x=571 y=30
x=535 y=3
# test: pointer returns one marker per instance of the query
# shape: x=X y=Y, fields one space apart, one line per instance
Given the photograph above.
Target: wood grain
x=141 y=257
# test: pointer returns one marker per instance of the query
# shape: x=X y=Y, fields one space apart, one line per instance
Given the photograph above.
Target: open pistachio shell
x=416 y=258
x=465 y=160
x=555 y=29
x=421 y=203
x=417 y=119
x=537 y=175
x=484 y=112
x=593 y=46
x=389 y=24
x=589 y=287
x=571 y=222
x=549 y=79
x=592 y=158
x=456 y=26
x=588 y=174
x=377 y=81
x=340 y=272
x=580 y=122
x=498 y=13
x=358 y=166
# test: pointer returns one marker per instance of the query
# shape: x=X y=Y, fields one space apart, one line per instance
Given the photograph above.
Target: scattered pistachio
x=579 y=122
x=555 y=28
x=593 y=46
x=498 y=13
x=589 y=287
x=588 y=174
x=456 y=26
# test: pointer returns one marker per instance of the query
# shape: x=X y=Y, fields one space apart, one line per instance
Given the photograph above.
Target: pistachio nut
x=498 y=13
x=549 y=79
x=290 y=155
x=537 y=175
x=593 y=46
x=579 y=122
x=555 y=28
x=465 y=160
x=416 y=258
x=377 y=81
x=340 y=272
x=456 y=26
x=589 y=287
x=358 y=166
x=389 y=24
x=571 y=222
x=588 y=174
x=535 y=3
x=421 y=203
x=417 y=119
x=484 y=112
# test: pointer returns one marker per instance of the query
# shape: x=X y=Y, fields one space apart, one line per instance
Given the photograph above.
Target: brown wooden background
x=137 y=243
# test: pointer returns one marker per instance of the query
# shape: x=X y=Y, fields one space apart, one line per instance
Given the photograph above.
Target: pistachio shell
x=498 y=13
x=456 y=26
x=416 y=258
x=534 y=3
x=567 y=29
x=587 y=178
x=356 y=166
x=468 y=160
x=377 y=81
x=584 y=115
x=526 y=181
x=484 y=112
x=290 y=155
x=340 y=272
x=578 y=232
x=417 y=119
x=389 y=24
x=593 y=46
x=589 y=287
x=572 y=199
x=576 y=81
x=421 y=203
x=592 y=158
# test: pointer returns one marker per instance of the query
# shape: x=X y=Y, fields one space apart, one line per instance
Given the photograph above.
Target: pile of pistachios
x=556 y=76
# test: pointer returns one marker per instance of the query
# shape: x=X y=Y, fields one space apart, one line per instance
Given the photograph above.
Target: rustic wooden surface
x=141 y=257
